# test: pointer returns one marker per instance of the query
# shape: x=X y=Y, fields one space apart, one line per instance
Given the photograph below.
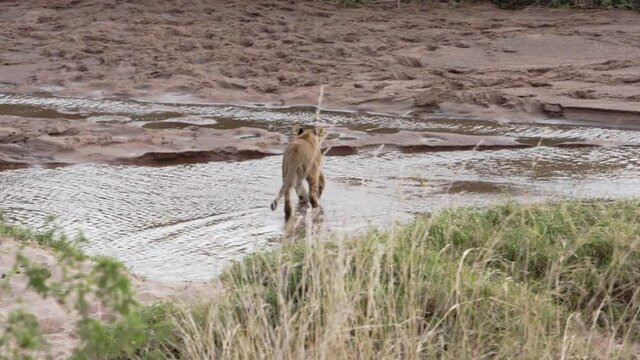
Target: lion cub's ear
x=319 y=131
x=297 y=130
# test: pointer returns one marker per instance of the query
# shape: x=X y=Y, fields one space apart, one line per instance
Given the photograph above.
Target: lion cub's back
x=300 y=154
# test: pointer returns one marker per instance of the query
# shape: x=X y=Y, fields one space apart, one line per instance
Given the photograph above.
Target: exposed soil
x=420 y=57
x=50 y=142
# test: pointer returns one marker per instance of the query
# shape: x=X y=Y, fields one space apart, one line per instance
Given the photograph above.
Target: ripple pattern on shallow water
x=189 y=221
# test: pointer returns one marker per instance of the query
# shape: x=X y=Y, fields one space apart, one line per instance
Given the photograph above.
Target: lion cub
x=302 y=160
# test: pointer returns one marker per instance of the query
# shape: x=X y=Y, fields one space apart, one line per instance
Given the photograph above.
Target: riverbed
x=187 y=221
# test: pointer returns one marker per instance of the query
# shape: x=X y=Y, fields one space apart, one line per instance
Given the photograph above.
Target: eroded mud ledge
x=54 y=142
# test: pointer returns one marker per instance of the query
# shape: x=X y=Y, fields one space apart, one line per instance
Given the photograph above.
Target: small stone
x=553 y=109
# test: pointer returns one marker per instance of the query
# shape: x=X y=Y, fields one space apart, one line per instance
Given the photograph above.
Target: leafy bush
x=101 y=280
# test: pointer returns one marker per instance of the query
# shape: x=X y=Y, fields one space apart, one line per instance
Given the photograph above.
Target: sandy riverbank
x=419 y=57
x=423 y=58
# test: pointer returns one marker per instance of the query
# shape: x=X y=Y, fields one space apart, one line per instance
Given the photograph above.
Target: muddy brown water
x=187 y=222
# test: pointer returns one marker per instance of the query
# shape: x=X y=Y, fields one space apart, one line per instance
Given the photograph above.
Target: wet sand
x=27 y=141
x=53 y=142
x=517 y=65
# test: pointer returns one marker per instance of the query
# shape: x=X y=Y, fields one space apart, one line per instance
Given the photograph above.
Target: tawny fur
x=302 y=161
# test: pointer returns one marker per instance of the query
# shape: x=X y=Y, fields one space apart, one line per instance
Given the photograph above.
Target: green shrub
x=106 y=281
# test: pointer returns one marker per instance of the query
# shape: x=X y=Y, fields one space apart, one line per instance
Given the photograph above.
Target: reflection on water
x=189 y=221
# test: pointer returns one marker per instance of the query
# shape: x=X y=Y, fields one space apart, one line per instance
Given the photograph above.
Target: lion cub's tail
x=286 y=186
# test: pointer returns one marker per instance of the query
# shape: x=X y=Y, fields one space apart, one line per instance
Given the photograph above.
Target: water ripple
x=189 y=221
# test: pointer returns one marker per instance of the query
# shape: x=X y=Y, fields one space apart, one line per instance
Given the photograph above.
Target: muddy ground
x=429 y=56
x=423 y=58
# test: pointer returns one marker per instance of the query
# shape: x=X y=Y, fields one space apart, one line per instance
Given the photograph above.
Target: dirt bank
x=54 y=142
x=419 y=57
x=57 y=321
x=50 y=142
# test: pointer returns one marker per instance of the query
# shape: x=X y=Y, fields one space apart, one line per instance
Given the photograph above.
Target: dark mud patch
x=541 y=141
x=34 y=111
x=418 y=141
x=603 y=116
x=480 y=187
x=192 y=157
x=340 y=150
x=412 y=149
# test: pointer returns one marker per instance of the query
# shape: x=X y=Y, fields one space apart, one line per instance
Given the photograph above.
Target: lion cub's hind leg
x=287 y=205
x=312 y=180
x=320 y=184
x=303 y=196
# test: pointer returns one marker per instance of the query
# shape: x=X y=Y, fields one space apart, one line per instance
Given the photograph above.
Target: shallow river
x=189 y=221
